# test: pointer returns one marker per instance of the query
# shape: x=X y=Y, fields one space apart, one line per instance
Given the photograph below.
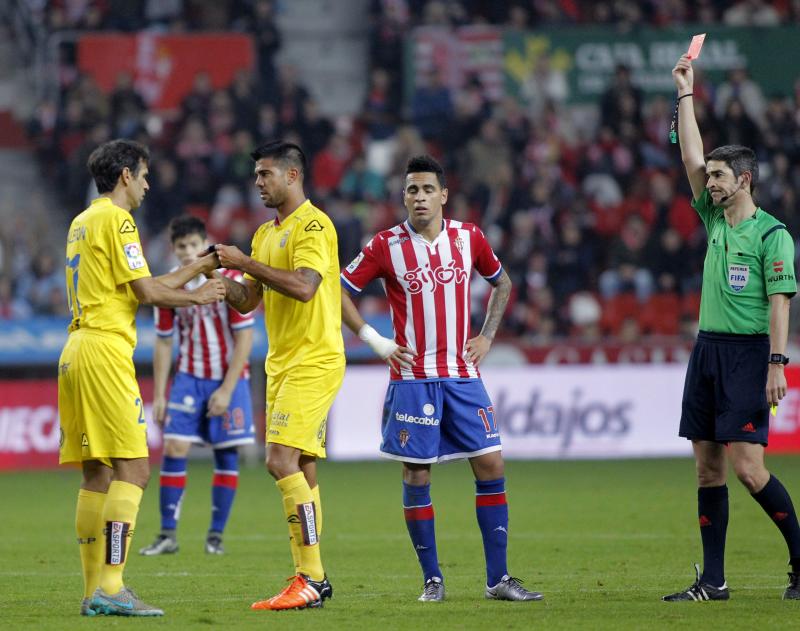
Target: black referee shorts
x=724 y=395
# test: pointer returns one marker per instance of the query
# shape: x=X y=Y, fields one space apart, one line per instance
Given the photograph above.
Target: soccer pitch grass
x=602 y=540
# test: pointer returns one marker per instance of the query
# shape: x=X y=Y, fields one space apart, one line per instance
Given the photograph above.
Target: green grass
x=602 y=540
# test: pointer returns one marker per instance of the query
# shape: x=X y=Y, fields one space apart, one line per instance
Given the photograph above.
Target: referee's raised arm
x=691 y=142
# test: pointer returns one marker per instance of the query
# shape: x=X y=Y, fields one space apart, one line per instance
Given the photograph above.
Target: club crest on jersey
x=459 y=243
x=404 y=435
x=284 y=238
x=738 y=275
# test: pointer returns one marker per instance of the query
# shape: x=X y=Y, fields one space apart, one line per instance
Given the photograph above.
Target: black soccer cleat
x=699 y=591
x=323 y=587
x=793 y=590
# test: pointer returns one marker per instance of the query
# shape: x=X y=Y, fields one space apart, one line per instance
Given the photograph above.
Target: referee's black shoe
x=700 y=591
x=793 y=590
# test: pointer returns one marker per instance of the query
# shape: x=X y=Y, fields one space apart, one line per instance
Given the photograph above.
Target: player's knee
x=752 y=476
x=711 y=472
x=276 y=467
x=176 y=448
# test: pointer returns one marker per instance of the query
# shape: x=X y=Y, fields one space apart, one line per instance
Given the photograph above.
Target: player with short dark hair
x=436 y=407
x=209 y=401
x=100 y=408
x=736 y=370
x=294 y=269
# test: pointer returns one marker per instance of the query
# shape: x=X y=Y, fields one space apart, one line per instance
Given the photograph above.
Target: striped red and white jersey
x=205 y=333
x=427 y=285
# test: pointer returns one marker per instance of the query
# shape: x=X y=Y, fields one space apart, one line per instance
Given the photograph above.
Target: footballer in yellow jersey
x=100 y=407
x=294 y=269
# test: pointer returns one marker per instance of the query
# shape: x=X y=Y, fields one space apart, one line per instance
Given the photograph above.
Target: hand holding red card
x=695 y=46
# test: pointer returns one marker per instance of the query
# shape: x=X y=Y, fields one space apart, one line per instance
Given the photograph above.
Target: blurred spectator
x=742 y=88
x=622 y=100
x=166 y=198
x=627 y=270
x=751 y=13
x=432 y=107
x=360 y=184
x=42 y=287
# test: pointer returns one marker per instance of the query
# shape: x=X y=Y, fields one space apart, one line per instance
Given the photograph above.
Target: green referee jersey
x=743 y=267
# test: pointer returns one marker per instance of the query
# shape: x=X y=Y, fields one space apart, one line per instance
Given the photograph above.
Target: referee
x=736 y=371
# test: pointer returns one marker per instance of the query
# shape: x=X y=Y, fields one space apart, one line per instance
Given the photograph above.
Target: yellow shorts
x=297 y=407
x=99 y=404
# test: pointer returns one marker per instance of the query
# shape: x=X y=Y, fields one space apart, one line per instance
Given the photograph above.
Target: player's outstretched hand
x=211 y=291
x=683 y=74
x=231 y=257
x=477 y=348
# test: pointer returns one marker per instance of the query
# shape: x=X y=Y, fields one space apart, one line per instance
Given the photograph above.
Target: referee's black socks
x=775 y=500
x=712 y=511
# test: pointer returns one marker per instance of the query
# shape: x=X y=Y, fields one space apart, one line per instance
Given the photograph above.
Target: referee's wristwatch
x=777 y=358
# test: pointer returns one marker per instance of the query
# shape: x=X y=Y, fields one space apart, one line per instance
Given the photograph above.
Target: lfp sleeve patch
x=133 y=252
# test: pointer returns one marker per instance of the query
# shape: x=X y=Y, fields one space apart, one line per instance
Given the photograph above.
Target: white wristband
x=381 y=346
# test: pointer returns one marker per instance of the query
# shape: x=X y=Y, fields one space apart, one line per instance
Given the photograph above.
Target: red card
x=695 y=46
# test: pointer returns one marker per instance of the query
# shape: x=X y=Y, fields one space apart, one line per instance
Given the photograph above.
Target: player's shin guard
x=712 y=512
x=89 y=528
x=775 y=500
x=223 y=487
x=298 y=506
x=418 y=510
x=491 y=509
x=119 y=518
x=172 y=482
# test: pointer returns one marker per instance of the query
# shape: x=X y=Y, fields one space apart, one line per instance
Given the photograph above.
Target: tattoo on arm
x=237 y=295
x=311 y=276
x=497 y=306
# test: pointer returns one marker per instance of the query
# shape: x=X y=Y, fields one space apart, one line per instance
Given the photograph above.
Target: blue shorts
x=186 y=413
x=438 y=420
x=724 y=396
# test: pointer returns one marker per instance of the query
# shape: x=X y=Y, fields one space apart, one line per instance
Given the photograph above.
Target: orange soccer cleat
x=301 y=593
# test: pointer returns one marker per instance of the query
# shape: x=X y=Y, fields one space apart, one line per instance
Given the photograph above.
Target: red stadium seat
x=690 y=305
x=616 y=310
x=661 y=315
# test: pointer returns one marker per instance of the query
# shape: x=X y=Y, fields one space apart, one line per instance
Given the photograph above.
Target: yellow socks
x=89 y=528
x=298 y=506
x=119 y=519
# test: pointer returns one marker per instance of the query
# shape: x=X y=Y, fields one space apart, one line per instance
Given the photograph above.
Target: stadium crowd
x=595 y=228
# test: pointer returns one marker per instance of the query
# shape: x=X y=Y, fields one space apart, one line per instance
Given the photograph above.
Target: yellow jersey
x=302 y=334
x=103 y=255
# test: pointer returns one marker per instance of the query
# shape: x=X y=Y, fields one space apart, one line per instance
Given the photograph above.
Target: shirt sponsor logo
x=314 y=226
x=738 y=276
x=133 y=252
x=396 y=241
x=356 y=262
x=431 y=277
x=780 y=277
x=416 y=420
x=79 y=234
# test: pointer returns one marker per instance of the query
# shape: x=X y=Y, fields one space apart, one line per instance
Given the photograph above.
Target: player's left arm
x=778 y=334
x=478 y=346
x=220 y=399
